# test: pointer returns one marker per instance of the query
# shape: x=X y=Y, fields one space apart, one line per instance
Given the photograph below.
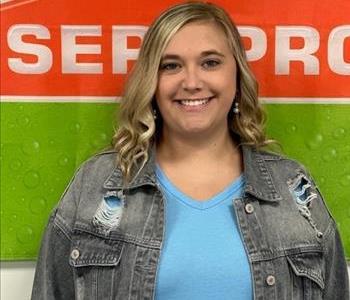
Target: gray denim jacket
x=104 y=242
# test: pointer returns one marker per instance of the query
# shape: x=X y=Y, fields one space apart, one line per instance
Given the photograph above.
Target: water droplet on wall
x=38 y=205
x=100 y=140
x=31 y=147
x=16 y=164
x=329 y=154
x=63 y=160
x=24 y=121
x=345 y=180
x=315 y=142
x=75 y=127
x=31 y=179
x=291 y=128
x=339 y=133
x=25 y=234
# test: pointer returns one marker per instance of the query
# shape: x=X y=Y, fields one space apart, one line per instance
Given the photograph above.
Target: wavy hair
x=137 y=128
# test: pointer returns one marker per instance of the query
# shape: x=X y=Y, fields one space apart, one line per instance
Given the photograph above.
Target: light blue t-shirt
x=203 y=256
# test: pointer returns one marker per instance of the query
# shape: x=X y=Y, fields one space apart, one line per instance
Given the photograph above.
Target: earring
x=236 y=108
x=154 y=114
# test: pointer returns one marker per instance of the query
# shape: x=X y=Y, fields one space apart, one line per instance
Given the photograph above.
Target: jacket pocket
x=95 y=261
x=308 y=275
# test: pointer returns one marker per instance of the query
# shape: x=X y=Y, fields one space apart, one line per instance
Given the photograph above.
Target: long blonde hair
x=137 y=127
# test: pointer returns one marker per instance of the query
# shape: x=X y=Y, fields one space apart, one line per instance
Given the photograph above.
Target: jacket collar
x=258 y=180
x=146 y=176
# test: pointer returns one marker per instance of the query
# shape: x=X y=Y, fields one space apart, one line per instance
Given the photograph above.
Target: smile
x=195 y=102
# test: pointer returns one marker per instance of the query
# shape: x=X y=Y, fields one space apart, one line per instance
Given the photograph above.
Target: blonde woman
x=187 y=205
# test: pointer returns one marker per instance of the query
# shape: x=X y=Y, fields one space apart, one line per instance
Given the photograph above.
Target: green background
x=43 y=143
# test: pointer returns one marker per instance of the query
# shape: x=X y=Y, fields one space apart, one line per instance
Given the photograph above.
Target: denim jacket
x=104 y=241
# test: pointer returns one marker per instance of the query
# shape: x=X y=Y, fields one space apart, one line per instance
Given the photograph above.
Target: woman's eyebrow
x=212 y=52
x=170 y=56
x=202 y=54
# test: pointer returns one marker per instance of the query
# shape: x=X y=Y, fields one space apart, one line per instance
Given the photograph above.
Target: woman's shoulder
x=278 y=162
x=290 y=177
x=106 y=158
x=282 y=162
x=89 y=179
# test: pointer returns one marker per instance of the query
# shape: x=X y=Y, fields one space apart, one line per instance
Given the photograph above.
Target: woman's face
x=196 y=81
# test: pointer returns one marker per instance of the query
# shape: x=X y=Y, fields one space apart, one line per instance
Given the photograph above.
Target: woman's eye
x=169 y=66
x=211 y=63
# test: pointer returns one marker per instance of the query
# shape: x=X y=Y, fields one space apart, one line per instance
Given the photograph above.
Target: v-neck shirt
x=203 y=256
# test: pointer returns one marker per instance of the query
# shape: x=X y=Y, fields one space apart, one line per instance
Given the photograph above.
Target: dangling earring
x=154 y=114
x=236 y=108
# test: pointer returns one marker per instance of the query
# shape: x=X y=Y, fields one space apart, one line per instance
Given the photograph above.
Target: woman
x=187 y=206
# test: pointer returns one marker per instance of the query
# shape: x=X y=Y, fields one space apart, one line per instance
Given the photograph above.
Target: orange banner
x=71 y=48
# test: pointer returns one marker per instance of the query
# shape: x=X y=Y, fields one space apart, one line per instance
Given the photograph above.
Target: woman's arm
x=53 y=274
x=336 y=273
x=54 y=278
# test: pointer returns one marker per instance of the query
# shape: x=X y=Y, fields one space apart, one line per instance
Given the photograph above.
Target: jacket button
x=270 y=280
x=74 y=254
x=249 y=208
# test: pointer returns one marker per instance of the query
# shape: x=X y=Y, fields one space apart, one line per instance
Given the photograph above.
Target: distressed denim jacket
x=104 y=242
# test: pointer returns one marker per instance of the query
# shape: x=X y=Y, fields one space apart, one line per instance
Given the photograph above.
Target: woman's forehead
x=198 y=37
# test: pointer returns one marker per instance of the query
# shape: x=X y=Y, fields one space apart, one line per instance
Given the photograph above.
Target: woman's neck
x=191 y=149
x=200 y=167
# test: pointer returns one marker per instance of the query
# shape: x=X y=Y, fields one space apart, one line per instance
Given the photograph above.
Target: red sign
x=85 y=48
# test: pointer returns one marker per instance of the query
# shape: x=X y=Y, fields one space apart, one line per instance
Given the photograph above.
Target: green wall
x=42 y=144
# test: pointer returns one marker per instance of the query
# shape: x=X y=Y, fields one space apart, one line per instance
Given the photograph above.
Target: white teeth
x=195 y=102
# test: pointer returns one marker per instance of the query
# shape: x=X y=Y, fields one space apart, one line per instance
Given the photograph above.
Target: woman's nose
x=192 y=80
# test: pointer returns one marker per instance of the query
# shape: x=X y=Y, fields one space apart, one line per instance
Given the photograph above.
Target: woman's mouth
x=195 y=102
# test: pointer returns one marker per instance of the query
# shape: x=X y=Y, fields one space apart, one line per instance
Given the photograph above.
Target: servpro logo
x=291 y=55
x=120 y=53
